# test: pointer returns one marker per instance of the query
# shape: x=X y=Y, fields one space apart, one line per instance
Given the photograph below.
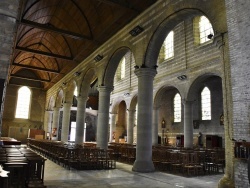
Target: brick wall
x=238 y=30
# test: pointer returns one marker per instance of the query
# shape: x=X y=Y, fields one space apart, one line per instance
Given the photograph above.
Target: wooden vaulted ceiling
x=54 y=36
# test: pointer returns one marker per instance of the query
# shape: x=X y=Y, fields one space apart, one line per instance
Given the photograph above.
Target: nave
x=55 y=176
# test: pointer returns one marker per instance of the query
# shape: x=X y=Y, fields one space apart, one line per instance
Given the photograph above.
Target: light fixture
x=210 y=36
x=136 y=31
x=98 y=58
x=77 y=73
x=126 y=94
x=182 y=77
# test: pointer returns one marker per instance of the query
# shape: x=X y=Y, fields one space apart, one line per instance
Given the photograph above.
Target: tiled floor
x=121 y=177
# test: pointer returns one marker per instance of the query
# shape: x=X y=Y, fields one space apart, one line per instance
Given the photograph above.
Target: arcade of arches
x=136 y=103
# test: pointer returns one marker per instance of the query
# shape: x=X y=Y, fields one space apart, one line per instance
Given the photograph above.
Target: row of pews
x=25 y=167
x=175 y=160
x=69 y=155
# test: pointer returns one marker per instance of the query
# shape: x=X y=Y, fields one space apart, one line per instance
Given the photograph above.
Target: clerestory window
x=205 y=29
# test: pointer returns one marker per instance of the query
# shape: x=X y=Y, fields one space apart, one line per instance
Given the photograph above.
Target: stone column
x=112 y=126
x=155 y=126
x=131 y=122
x=55 y=124
x=143 y=162
x=103 y=117
x=80 y=119
x=65 y=121
x=188 y=124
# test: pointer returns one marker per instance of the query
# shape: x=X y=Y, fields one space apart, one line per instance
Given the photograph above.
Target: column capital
x=156 y=107
x=131 y=110
x=81 y=98
x=184 y=101
x=105 y=88
x=111 y=113
x=140 y=72
x=67 y=104
x=56 y=108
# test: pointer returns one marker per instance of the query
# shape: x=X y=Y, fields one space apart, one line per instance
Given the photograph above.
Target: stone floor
x=59 y=177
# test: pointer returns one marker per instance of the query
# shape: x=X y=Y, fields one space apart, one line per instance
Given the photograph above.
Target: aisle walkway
x=121 y=177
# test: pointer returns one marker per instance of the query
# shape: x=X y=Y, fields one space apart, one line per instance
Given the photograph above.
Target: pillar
x=103 y=117
x=155 y=126
x=112 y=126
x=65 y=121
x=188 y=124
x=55 y=124
x=80 y=119
x=131 y=122
x=143 y=162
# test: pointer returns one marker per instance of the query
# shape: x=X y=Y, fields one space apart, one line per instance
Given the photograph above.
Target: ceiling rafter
x=54 y=29
x=36 y=68
x=43 y=53
x=121 y=4
x=27 y=78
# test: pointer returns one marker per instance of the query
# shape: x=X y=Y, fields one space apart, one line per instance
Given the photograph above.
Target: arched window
x=120 y=72
x=169 y=46
x=136 y=113
x=75 y=92
x=23 y=103
x=177 y=108
x=122 y=68
x=205 y=29
x=205 y=104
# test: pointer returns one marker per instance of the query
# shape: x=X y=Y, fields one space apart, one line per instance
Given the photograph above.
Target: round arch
x=167 y=25
x=195 y=86
x=109 y=73
x=59 y=98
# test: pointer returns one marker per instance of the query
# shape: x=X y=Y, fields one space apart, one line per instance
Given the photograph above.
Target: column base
x=143 y=166
x=225 y=182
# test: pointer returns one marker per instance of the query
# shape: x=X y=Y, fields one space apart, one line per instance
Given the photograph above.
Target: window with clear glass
x=120 y=72
x=72 y=131
x=23 y=103
x=169 y=45
x=205 y=104
x=136 y=113
x=122 y=68
x=75 y=92
x=177 y=108
x=205 y=28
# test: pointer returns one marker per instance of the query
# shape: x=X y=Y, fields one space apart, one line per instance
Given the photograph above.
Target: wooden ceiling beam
x=27 y=78
x=36 y=68
x=43 y=53
x=123 y=5
x=55 y=30
x=27 y=85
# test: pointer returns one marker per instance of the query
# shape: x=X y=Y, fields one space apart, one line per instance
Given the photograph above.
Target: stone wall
x=8 y=15
x=17 y=127
x=238 y=33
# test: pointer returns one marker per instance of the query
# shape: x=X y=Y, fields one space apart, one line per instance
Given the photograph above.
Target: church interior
x=126 y=93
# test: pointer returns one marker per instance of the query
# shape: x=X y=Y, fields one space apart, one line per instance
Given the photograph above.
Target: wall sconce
x=77 y=73
x=136 y=67
x=136 y=31
x=210 y=36
x=126 y=94
x=163 y=124
x=182 y=77
x=98 y=58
